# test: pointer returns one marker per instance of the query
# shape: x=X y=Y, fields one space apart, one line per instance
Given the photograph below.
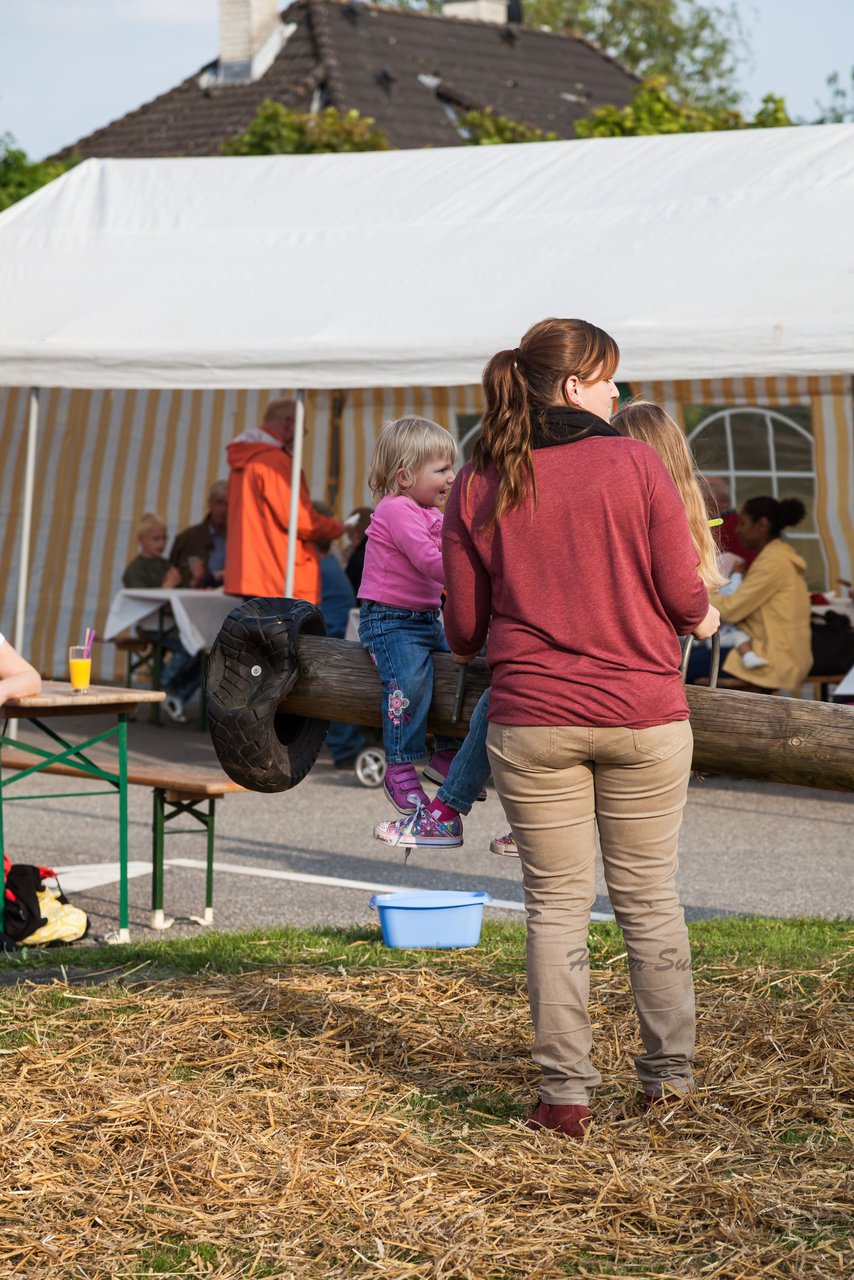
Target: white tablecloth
x=198 y=615
x=843 y=606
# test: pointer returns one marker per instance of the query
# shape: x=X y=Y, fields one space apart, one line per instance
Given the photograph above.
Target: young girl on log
x=412 y=471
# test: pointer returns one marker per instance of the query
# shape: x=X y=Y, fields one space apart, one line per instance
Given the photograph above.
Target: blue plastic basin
x=436 y=919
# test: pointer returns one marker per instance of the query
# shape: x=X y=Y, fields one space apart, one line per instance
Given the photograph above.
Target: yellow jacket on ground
x=773 y=606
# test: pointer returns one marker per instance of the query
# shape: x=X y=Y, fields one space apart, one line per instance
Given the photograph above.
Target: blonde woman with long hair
x=570 y=547
x=642 y=420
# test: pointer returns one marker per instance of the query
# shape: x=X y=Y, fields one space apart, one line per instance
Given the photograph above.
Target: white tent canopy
x=703 y=254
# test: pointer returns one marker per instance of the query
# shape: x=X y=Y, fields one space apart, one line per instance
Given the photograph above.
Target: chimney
x=250 y=36
x=495 y=11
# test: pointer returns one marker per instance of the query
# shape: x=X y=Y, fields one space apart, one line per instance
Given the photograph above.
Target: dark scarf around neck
x=561 y=424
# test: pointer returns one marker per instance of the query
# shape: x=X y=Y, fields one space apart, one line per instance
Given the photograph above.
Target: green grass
x=743 y=940
x=174 y=1258
x=476 y=1108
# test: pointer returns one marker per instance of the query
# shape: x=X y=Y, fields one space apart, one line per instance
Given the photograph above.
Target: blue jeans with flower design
x=401 y=642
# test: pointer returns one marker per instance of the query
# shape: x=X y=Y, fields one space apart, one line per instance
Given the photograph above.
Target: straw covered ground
x=306 y=1121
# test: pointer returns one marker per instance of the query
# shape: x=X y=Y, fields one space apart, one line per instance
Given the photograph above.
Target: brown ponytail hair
x=519 y=384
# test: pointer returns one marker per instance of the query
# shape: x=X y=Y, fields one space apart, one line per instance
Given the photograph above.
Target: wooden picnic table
x=55 y=701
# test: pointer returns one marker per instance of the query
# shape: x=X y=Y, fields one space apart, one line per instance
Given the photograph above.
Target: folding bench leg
x=158 y=831
x=177 y=807
x=211 y=817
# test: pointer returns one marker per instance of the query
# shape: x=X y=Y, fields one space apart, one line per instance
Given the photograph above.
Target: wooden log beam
x=745 y=735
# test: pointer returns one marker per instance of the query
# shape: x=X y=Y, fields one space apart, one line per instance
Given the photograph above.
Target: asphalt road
x=746 y=847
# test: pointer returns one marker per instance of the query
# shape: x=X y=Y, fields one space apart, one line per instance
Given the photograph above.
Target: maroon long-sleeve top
x=584 y=594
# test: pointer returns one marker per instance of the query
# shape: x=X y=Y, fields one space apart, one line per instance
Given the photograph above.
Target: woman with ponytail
x=772 y=603
x=570 y=546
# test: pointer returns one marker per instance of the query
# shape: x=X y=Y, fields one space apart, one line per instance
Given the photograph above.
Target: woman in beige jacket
x=772 y=604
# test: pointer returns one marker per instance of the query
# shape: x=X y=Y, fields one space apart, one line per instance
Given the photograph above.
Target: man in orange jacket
x=259 y=501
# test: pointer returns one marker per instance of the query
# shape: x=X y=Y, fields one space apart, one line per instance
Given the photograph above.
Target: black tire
x=253 y=666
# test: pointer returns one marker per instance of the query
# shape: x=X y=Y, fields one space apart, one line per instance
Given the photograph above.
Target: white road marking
x=269 y=873
x=90 y=875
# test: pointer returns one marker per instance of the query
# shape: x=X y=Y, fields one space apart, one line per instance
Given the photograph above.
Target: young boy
x=180 y=675
x=150 y=567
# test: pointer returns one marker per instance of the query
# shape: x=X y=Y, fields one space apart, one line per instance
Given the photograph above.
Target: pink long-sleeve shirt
x=403 y=558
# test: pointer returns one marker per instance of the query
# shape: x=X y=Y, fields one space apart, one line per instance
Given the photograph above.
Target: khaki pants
x=557 y=785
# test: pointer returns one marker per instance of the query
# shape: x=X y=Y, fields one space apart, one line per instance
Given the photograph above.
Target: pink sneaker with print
x=504 y=845
x=421 y=830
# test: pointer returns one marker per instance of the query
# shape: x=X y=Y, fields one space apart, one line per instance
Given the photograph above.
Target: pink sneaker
x=436 y=769
x=403 y=788
x=505 y=845
x=420 y=831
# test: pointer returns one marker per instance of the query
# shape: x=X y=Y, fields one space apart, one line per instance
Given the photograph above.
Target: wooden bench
x=176 y=791
x=141 y=655
x=147 y=655
x=821 y=685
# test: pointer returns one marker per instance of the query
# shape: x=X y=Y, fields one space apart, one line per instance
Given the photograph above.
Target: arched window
x=761 y=451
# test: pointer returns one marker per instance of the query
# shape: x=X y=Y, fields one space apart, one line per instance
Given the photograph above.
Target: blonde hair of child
x=149 y=521
x=407 y=444
x=649 y=422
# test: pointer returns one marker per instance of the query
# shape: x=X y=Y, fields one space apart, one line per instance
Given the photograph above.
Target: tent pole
x=27 y=520
x=296 y=481
x=26 y=528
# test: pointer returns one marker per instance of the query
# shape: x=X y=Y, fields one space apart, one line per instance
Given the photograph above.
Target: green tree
x=653 y=109
x=277 y=131
x=485 y=128
x=20 y=176
x=696 y=46
x=840 y=108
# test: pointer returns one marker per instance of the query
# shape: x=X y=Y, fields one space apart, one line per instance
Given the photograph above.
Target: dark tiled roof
x=370 y=57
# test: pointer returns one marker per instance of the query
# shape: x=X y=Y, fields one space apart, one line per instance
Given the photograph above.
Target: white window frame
x=776 y=477
x=464 y=435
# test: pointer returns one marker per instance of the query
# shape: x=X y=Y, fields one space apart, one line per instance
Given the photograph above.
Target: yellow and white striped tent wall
x=104 y=457
x=832 y=405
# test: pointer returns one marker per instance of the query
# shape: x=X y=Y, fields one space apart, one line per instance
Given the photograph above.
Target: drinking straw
x=86 y=638
x=90 y=637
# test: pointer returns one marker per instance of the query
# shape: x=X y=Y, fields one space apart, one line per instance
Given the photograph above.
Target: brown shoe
x=571 y=1120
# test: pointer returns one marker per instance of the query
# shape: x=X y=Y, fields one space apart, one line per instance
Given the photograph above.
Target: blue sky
x=70 y=66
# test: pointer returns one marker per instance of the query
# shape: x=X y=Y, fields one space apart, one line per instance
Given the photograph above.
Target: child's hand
x=458 y=657
x=710 y=624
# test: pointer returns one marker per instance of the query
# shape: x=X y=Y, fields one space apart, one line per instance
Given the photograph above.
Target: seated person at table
x=198 y=553
x=17 y=678
x=771 y=606
x=719 y=505
x=337 y=598
x=179 y=677
x=356 y=545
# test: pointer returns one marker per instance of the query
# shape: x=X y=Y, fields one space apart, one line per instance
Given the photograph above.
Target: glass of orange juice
x=79 y=668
